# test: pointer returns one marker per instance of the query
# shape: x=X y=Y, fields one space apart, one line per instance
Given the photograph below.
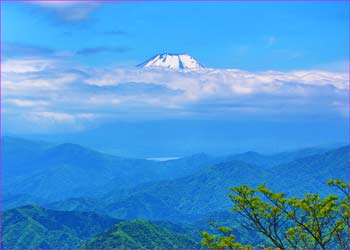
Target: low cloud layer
x=70 y=11
x=53 y=93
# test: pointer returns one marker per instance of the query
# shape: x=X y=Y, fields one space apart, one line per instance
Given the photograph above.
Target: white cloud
x=28 y=65
x=214 y=82
x=35 y=74
x=69 y=10
x=21 y=84
x=60 y=117
x=104 y=100
x=27 y=103
x=53 y=92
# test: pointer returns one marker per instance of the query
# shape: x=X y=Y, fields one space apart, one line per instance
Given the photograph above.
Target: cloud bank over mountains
x=47 y=93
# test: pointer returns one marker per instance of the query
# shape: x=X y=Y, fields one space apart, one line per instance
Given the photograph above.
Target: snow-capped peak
x=172 y=61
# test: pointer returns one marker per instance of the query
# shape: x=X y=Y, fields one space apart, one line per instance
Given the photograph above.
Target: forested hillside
x=85 y=198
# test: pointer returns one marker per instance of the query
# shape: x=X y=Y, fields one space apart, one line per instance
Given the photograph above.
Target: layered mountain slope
x=37 y=169
x=186 y=198
x=139 y=234
x=271 y=160
x=17 y=152
x=70 y=170
x=13 y=200
x=311 y=173
x=36 y=227
x=181 y=199
x=207 y=190
x=200 y=193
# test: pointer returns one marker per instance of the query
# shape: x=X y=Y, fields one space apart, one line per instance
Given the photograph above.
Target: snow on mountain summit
x=172 y=61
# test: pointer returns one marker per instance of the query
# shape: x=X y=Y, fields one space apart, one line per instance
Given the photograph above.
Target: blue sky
x=69 y=67
x=250 y=35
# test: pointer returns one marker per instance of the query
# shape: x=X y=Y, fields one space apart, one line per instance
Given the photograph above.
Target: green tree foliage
x=311 y=222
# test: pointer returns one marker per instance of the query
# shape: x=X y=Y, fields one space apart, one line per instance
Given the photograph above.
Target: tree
x=311 y=222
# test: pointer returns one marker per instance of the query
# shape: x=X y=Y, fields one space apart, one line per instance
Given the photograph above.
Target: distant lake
x=162 y=158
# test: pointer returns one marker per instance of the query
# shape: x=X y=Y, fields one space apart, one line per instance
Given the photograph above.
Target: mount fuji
x=172 y=61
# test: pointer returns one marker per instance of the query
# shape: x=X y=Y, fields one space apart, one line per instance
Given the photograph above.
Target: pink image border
x=144 y=1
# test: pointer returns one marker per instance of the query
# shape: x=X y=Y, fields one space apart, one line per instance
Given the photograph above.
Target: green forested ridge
x=37 y=227
x=139 y=234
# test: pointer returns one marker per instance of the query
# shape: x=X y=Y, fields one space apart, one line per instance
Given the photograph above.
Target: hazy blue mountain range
x=270 y=160
x=69 y=170
x=186 y=198
x=309 y=174
x=13 y=200
x=17 y=153
x=72 y=177
x=92 y=199
x=57 y=172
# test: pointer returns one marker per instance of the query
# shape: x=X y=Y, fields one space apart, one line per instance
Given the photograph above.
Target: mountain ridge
x=207 y=190
x=37 y=227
